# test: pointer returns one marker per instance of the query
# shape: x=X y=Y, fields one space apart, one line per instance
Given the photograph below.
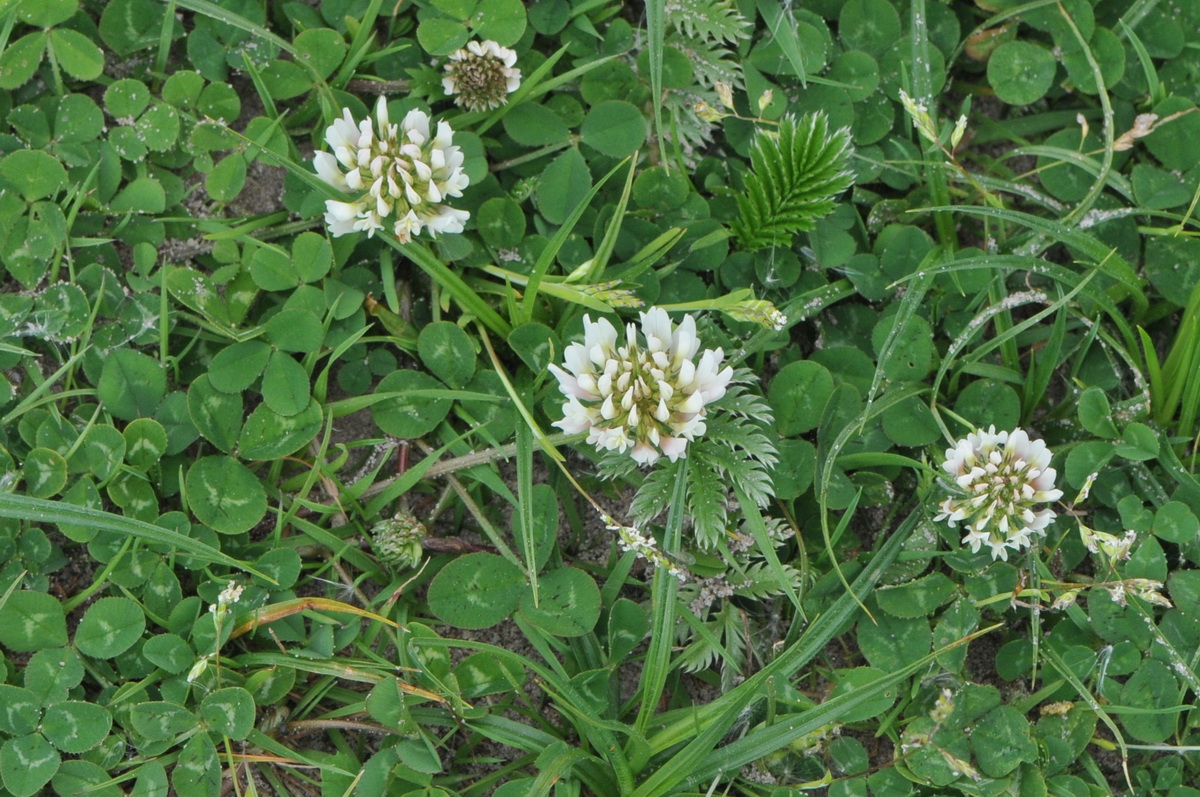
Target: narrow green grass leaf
x=37 y=510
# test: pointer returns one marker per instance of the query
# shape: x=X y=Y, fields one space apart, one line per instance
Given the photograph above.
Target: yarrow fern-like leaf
x=795 y=174
x=709 y=20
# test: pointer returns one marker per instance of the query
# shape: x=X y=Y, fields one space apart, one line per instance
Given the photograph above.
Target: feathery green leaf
x=795 y=174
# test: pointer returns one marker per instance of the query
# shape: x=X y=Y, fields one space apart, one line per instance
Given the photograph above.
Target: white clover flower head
x=400 y=173
x=1001 y=477
x=648 y=398
x=481 y=75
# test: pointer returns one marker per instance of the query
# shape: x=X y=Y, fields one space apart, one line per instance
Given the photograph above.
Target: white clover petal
x=327 y=169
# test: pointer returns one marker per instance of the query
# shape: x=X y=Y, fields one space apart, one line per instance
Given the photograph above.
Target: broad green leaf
x=285 y=386
x=1001 y=740
x=131 y=384
x=798 y=394
x=22 y=711
x=1021 y=72
x=891 y=642
x=217 y=416
x=918 y=598
x=615 y=128
x=564 y=184
x=848 y=681
x=476 y=591
x=161 y=719
x=269 y=435
x=33 y=173
x=45 y=472
x=225 y=495
x=142 y=195
x=145 y=443
x=46 y=13
x=109 y=628
x=77 y=54
x=50 y=674
x=20 y=59
x=229 y=712
x=27 y=763
x=171 y=652
x=322 y=49
x=1175 y=522
x=409 y=416
x=312 y=256
x=446 y=350
x=131 y=25
x=74 y=726
x=1139 y=443
x=236 y=367
x=31 y=620
x=227 y=178
x=568 y=603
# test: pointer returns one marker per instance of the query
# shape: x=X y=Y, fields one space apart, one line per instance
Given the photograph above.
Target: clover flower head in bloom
x=400 y=173
x=647 y=397
x=481 y=75
x=1001 y=478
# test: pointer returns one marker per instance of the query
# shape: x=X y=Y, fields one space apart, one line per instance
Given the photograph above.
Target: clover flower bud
x=960 y=128
x=646 y=397
x=999 y=478
x=481 y=75
x=1114 y=547
x=764 y=99
x=1065 y=601
x=1086 y=490
x=1148 y=590
x=399 y=541
x=198 y=668
x=707 y=113
x=920 y=117
x=399 y=173
x=724 y=91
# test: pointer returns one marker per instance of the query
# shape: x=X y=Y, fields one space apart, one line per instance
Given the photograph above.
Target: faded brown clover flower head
x=481 y=75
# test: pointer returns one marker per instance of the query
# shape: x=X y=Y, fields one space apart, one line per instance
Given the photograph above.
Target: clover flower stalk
x=1001 y=478
x=400 y=173
x=481 y=75
x=648 y=398
x=630 y=539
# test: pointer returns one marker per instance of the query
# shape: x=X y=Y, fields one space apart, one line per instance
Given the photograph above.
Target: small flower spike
x=1001 y=478
x=646 y=398
x=400 y=173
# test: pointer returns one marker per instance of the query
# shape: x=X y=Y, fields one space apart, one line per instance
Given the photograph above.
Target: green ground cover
x=470 y=397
